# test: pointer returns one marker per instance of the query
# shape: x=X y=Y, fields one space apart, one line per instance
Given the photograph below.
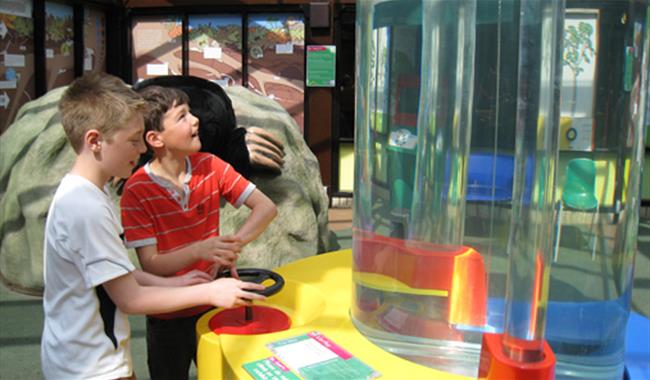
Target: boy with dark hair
x=170 y=215
x=89 y=281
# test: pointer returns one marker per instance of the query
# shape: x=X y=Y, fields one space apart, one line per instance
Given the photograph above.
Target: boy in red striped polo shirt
x=170 y=215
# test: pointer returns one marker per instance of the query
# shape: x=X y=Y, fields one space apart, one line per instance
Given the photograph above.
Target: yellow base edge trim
x=388 y=284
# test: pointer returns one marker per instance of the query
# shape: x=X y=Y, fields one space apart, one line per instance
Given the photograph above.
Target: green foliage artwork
x=266 y=32
x=24 y=27
x=578 y=49
x=58 y=29
x=226 y=35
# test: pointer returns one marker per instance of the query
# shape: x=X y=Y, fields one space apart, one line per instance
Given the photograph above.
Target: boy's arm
x=263 y=211
x=132 y=298
x=139 y=230
x=222 y=250
x=190 y=278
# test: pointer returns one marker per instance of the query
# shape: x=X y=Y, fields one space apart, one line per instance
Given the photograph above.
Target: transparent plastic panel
x=490 y=167
x=416 y=62
x=530 y=246
x=604 y=88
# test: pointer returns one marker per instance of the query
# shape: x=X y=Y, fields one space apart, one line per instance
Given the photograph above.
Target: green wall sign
x=321 y=66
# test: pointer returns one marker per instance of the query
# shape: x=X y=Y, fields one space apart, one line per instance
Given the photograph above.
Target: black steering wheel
x=258 y=276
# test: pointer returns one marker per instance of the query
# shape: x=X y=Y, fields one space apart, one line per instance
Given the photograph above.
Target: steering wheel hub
x=254 y=319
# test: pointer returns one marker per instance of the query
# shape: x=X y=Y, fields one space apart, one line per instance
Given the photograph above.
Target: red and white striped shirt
x=154 y=211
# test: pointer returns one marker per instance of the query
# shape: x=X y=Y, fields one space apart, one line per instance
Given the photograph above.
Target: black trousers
x=171 y=347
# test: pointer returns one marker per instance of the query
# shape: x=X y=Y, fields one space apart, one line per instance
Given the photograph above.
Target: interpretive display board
x=94 y=40
x=59 y=45
x=321 y=66
x=157 y=47
x=312 y=356
x=215 y=48
x=16 y=58
x=276 y=60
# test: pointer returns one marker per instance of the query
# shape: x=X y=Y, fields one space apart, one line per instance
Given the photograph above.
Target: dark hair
x=160 y=100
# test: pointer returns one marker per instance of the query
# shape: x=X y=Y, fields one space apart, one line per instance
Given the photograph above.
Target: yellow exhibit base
x=316 y=296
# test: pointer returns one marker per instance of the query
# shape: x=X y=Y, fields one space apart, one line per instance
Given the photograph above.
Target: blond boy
x=89 y=282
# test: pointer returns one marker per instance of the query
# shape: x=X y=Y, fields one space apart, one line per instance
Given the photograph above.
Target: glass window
x=578 y=79
x=59 y=45
x=495 y=82
x=94 y=40
x=379 y=79
x=404 y=72
x=157 y=47
x=276 y=56
x=16 y=58
x=215 y=48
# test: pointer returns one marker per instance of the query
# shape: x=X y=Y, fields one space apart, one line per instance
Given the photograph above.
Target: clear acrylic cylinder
x=476 y=209
x=536 y=148
x=419 y=291
x=598 y=186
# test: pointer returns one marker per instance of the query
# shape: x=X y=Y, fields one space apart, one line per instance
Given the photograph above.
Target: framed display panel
x=59 y=45
x=321 y=65
x=16 y=59
x=157 y=46
x=276 y=56
x=94 y=40
x=215 y=48
x=579 y=68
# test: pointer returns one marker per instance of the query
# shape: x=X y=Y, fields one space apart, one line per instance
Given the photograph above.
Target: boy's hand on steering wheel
x=230 y=292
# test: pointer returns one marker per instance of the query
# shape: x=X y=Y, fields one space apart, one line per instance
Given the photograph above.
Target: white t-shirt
x=85 y=335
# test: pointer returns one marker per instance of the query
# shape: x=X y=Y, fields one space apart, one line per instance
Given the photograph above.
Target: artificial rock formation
x=34 y=156
x=300 y=229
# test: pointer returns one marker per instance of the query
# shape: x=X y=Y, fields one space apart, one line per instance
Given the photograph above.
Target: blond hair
x=98 y=101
